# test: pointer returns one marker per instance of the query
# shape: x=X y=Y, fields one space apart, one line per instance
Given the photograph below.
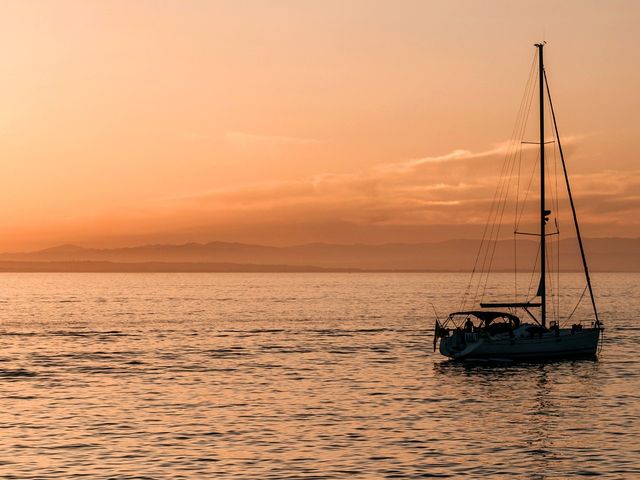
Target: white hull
x=550 y=345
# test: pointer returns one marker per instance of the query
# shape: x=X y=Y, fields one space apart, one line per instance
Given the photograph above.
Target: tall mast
x=543 y=260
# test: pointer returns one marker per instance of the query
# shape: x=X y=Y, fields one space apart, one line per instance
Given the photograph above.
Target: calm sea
x=274 y=376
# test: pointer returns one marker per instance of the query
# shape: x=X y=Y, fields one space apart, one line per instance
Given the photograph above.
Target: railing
x=471 y=336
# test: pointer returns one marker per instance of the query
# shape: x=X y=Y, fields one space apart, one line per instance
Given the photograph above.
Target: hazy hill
x=605 y=254
x=100 y=267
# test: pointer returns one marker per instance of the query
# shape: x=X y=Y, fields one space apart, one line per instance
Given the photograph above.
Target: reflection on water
x=294 y=376
x=529 y=413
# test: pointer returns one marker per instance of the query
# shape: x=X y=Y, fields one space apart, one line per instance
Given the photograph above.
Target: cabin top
x=487 y=316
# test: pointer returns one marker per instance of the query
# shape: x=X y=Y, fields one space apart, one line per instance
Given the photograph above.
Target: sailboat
x=524 y=329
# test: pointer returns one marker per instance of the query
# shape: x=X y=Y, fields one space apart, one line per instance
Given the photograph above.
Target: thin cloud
x=409 y=165
x=244 y=140
x=447 y=193
x=419 y=191
x=385 y=193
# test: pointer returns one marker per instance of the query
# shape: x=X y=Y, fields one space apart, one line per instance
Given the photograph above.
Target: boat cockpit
x=492 y=323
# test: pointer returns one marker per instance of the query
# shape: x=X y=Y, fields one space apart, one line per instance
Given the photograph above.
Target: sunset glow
x=319 y=239
x=290 y=122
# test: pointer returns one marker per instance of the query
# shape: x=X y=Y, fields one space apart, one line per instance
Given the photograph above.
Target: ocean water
x=287 y=376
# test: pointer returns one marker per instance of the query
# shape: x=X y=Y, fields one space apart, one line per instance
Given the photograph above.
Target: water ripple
x=237 y=376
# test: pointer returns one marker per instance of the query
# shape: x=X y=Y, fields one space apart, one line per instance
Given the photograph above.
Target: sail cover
x=486 y=316
x=539 y=292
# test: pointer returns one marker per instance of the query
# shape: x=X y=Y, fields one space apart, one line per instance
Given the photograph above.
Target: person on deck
x=468 y=325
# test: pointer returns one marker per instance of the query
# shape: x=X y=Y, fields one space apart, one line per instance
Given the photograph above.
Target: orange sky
x=281 y=122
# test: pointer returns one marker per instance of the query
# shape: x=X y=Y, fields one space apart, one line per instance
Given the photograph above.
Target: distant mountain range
x=605 y=255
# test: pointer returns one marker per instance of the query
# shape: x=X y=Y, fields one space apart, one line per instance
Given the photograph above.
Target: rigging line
x=547 y=171
x=501 y=205
x=601 y=342
x=515 y=215
x=557 y=220
x=492 y=237
x=520 y=118
x=558 y=277
x=577 y=304
x=520 y=151
x=524 y=114
x=523 y=102
x=556 y=242
x=555 y=250
x=507 y=174
x=495 y=243
x=478 y=255
x=485 y=230
x=556 y=204
x=555 y=170
x=492 y=220
x=524 y=201
x=483 y=247
x=515 y=229
x=550 y=257
x=532 y=94
x=525 y=119
x=515 y=151
x=552 y=286
x=495 y=227
x=494 y=246
x=554 y=194
x=558 y=191
x=533 y=272
x=480 y=248
x=515 y=268
x=573 y=208
x=526 y=94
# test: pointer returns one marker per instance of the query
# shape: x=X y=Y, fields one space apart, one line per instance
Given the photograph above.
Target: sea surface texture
x=297 y=376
